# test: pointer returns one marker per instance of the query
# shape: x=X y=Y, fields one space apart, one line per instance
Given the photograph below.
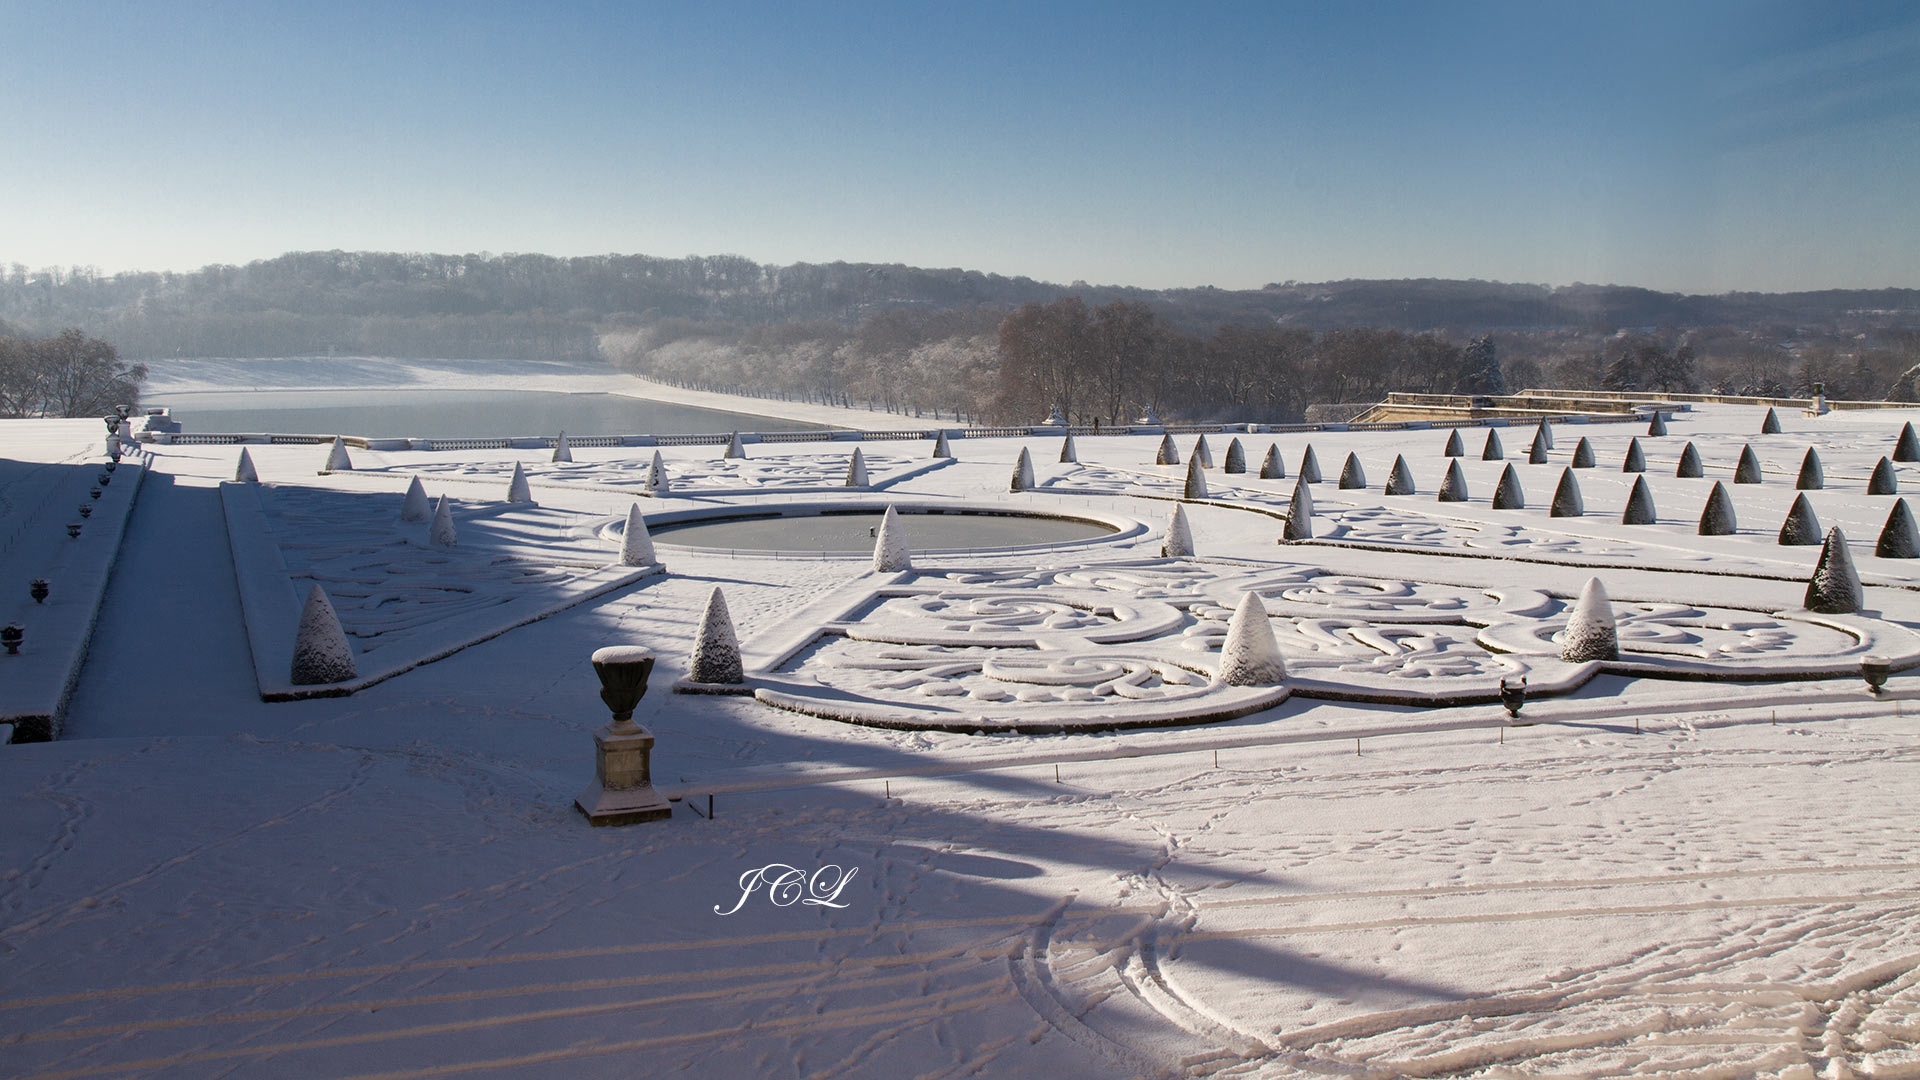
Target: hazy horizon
x=1702 y=149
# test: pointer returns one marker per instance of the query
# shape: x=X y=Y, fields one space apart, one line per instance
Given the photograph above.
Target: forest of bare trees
x=68 y=374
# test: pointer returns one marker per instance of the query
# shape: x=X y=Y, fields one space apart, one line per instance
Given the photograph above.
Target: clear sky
x=1692 y=145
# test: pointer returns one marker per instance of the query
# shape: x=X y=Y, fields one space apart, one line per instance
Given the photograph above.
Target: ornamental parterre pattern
x=719 y=476
x=1136 y=643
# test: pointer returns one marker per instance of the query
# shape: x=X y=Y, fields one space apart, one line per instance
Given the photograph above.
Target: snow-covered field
x=1661 y=874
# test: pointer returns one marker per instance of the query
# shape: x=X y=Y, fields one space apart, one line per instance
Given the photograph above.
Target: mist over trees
x=950 y=342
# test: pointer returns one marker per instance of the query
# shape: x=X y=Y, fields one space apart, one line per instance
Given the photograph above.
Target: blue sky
x=1696 y=146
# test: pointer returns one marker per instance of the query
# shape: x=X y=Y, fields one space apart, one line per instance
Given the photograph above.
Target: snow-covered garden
x=1517 y=752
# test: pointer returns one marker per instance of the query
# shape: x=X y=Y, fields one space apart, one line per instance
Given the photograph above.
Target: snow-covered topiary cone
x=1400 y=478
x=1453 y=488
x=1270 y=466
x=1835 y=588
x=1884 y=481
x=1801 y=529
x=1717 y=518
x=1639 y=509
x=736 y=450
x=1591 y=632
x=1023 y=472
x=857 y=470
x=1168 y=454
x=1352 y=476
x=1454 y=446
x=1747 y=469
x=243 y=470
x=1299 y=513
x=1179 y=543
x=321 y=652
x=1545 y=434
x=1812 y=476
x=1250 y=656
x=1068 y=454
x=941 y=448
x=337 y=459
x=1689 y=467
x=1898 y=538
x=657 y=482
x=1507 y=495
x=440 y=531
x=1202 y=452
x=562 y=450
x=716 y=649
x=1583 y=454
x=1566 y=497
x=1236 y=458
x=1907 y=447
x=1636 y=460
x=1310 y=466
x=636 y=543
x=517 y=489
x=1537 y=451
x=890 y=552
x=414 y=506
x=1658 y=426
x=1770 y=425
x=1196 y=479
x=1492 y=450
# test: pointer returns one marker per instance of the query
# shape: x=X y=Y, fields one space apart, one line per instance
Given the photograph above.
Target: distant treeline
x=68 y=374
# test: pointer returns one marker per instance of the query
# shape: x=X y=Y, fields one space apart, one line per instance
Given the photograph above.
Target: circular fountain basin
x=851 y=529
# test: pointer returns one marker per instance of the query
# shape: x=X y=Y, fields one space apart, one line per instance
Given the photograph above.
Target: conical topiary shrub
x=1898 y=538
x=1202 y=452
x=1400 y=480
x=1537 y=451
x=1507 y=494
x=1747 y=469
x=1309 y=466
x=1812 y=476
x=1771 y=424
x=1566 y=497
x=1492 y=450
x=857 y=468
x=1022 y=472
x=321 y=651
x=518 y=490
x=1352 y=476
x=1545 y=433
x=1717 y=518
x=942 y=448
x=1884 y=481
x=1639 y=509
x=440 y=531
x=563 y=450
x=1069 y=454
x=1591 y=633
x=1583 y=454
x=890 y=552
x=1196 y=487
x=243 y=470
x=1236 y=459
x=1453 y=488
x=1250 y=656
x=337 y=459
x=1801 y=528
x=1270 y=466
x=1636 y=461
x=1168 y=454
x=1299 y=513
x=636 y=543
x=716 y=649
x=1179 y=542
x=657 y=482
x=1454 y=447
x=1658 y=425
x=414 y=505
x=1835 y=587
x=1907 y=447
x=736 y=450
x=1689 y=468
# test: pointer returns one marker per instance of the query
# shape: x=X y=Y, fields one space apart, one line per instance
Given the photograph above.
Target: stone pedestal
x=622 y=792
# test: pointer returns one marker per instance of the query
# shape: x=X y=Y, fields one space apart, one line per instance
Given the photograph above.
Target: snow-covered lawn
x=1662 y=873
